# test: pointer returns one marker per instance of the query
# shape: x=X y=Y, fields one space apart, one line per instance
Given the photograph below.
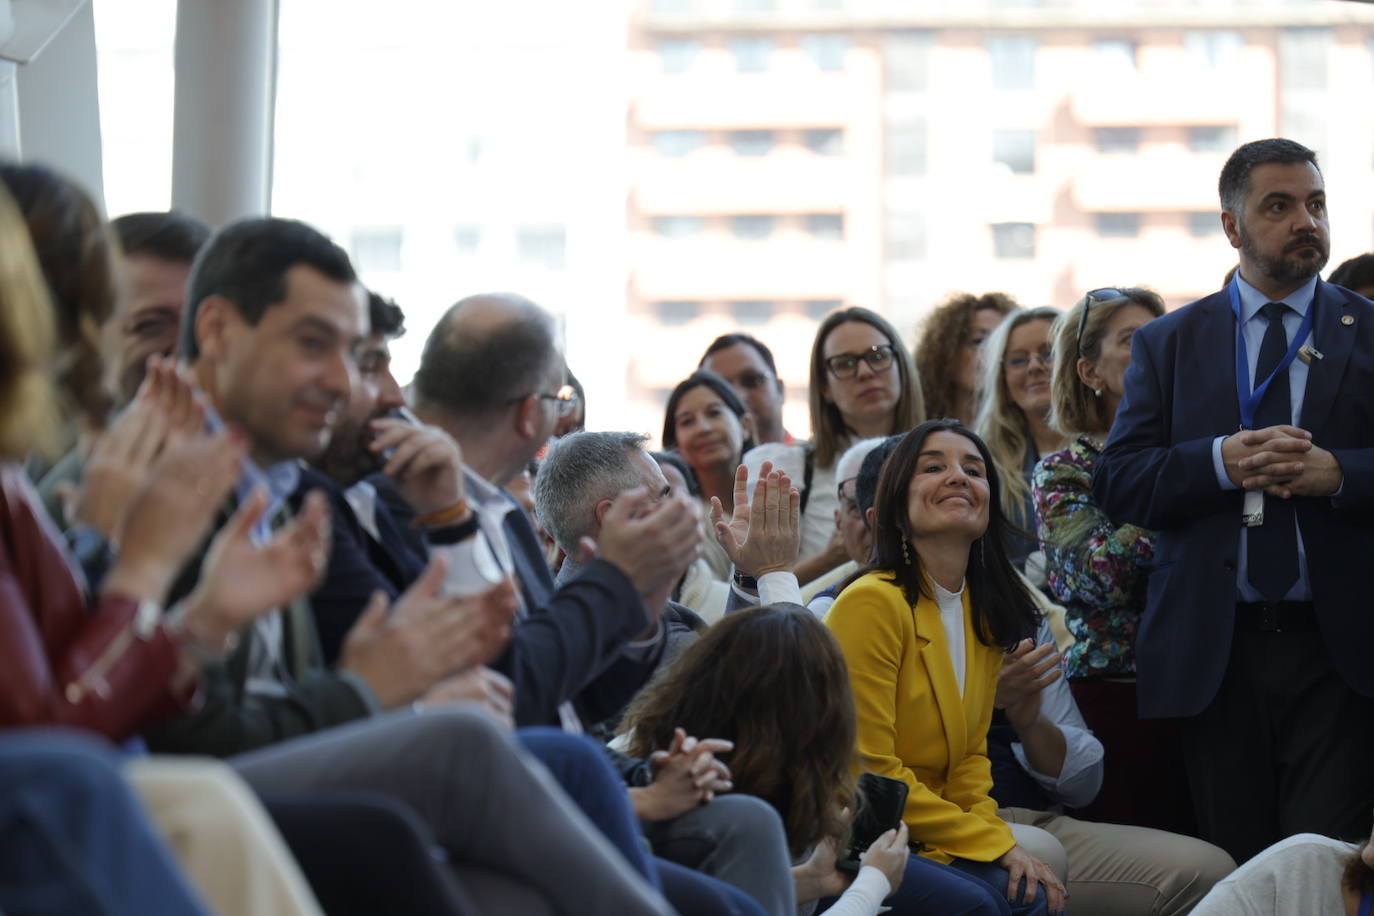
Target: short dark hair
x=1004 y=613
x=385 y=315
x=474 y=371
x=167 y=234
x=246 y=262
x=1356 y=273
x=1235 y=174
x=699 y=379
x=683 y=468
x=726 y=341
x=866 y=482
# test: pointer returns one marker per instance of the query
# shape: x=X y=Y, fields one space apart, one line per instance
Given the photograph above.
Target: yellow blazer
x=913 y=725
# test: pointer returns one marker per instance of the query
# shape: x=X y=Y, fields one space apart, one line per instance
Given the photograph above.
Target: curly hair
x=76 y=253
x=944 y=334
x=27 y=411
x=1004 y=612
x=792 y=720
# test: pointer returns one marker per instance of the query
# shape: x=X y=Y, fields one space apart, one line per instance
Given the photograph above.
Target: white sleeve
x=865 y=896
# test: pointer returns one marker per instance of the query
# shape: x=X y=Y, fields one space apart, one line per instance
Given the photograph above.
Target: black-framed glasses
x=844 y=365
x=564 y=400
x=1106 y=294
x=847 y=501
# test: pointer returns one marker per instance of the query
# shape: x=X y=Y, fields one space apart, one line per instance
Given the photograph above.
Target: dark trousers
x=1285 y=747
x=1143 y=778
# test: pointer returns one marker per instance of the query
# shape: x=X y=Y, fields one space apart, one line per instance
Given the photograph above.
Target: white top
x=863 y=897
x=1299 y=876
x=818 y=521
x=952 y=616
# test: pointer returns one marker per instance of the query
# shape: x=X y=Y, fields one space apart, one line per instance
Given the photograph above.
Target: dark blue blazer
x=1156 y=471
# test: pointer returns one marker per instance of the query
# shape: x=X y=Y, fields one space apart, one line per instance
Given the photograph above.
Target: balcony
x=717 y=181
x=1163 y=178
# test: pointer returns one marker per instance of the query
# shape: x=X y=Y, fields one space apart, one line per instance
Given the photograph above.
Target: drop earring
x=906 y=555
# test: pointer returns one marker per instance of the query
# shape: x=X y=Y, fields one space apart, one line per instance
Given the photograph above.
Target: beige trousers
x=1114 y=870
x=223 y=839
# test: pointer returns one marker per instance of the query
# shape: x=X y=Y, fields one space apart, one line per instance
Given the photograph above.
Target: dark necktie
x=1272 y=555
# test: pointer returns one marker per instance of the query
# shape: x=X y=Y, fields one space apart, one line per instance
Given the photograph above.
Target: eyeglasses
x=1021 y=361
x=845 y=365
x=751 y=380
x=1106 y=294
x=564 y=400
x=847 y=500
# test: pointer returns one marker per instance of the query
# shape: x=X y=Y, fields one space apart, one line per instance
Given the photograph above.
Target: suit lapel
x=1334 y=341
x=1213 y=342
x=940 y=670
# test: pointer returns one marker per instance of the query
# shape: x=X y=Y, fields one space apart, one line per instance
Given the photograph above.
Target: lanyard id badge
x=1252 y=509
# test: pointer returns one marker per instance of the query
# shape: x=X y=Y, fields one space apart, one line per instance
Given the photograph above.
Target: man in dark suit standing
x=1246 y=438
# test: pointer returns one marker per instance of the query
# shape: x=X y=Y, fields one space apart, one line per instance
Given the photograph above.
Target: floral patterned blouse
x=1097 y=571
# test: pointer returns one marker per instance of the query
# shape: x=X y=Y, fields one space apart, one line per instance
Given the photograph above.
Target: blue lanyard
x=1250 y=401
x=1366 y=902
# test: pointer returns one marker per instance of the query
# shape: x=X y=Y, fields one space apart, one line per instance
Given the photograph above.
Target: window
x=377 y=249
x=467 y=238
x=816 y=309
x=906 y=236
x=1117 y=225
x=1212 y=138
x=906 y=58
x=545 y=246
x=751 y=226
x=1013 y=240
x=1303 y=54
x=752 y=54
x=906 y=146
x=825 y=225
x=678 y=227
x=753 y=311
x=751 y=142
x=826 y=51
x=676 y=55
x=678 y=142
x=825 y=141
x=1014 y=149
x=1203 y=223
x=1117 y=139
x=1013 y=61
x=1214 y=50
x=678 y=311
x=1115 y=56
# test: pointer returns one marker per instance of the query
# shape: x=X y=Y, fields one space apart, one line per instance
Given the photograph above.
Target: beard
x=347 y=459
x=1288 y=267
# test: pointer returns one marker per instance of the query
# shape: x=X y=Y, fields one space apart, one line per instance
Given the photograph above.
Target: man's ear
x=527 y=416
x=214 y=319
x=1230 y=226
x=599 y=512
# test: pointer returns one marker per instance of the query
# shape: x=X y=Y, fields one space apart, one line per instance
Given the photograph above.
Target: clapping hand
x=765 y=535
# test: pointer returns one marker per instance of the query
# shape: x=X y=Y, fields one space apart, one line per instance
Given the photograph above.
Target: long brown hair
x=944 y=334
x=26 y=341
x=829 y=433
x=1004 y=612
x=76 y=253
x=772 y=680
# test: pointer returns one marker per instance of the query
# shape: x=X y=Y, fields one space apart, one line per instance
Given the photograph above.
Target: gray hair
x=579 y=471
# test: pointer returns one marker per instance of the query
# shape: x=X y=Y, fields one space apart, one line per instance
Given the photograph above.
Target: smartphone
x=882 y=801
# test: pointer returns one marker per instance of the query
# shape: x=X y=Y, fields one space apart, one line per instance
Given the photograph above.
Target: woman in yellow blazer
x=923 y=634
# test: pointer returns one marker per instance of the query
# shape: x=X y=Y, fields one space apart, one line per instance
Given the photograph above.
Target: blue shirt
x=1253 y=325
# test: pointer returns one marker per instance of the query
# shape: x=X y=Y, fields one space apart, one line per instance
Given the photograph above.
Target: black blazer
x=1156 y=471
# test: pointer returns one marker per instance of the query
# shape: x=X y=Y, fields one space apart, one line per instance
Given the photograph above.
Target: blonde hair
x=1074 y=407
x=1002 y=424
x=829 y=434
x=27 y=339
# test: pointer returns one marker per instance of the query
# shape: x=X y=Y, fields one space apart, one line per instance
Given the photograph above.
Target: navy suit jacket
x=1156 y=471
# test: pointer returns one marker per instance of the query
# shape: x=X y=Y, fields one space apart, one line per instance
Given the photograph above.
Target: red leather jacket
x=104 y=668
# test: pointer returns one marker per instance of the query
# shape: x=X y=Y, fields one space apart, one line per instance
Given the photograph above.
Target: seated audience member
x=1013 y=417
x=747 y=364
x=157 y=252
x=111 y=663
x=491 y=377
x=863 y=384
x=1356 y=275
x=698 y=588
x=1043 y=759
x=947 y=354
x=1304 y=874
x=792 y=725
x=1099 y=570
x=923 y=635
x=708 y=425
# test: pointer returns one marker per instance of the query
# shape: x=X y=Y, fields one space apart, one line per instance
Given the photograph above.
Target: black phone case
x=884 y=800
